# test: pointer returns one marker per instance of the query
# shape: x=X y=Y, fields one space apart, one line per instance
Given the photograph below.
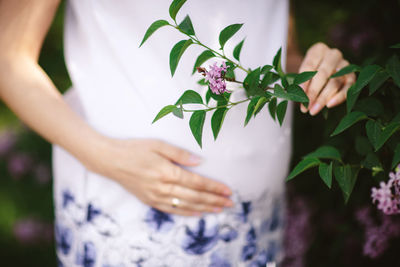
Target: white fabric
x=120 y=88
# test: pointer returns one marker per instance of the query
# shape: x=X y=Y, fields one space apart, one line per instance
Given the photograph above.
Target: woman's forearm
x=29 y=92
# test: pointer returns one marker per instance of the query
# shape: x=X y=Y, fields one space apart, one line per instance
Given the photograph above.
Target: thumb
x=176 y=154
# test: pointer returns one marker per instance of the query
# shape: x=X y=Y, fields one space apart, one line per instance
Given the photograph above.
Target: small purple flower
x=7 y=142
x=388 y=195
x=216 y=78
x=19 y=164
x=42 y=174
x=31 y=230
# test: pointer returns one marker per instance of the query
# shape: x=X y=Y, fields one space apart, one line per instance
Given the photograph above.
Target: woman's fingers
x=327 y=67
x=331 y=88
x=178 y=175
x=176 y=154
x=339 y=97
x=179 y=211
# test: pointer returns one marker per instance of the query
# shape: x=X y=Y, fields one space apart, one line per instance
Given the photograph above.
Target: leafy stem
x=229 y=105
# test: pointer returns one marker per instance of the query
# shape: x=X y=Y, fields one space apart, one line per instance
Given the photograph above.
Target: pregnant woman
x=129 y=193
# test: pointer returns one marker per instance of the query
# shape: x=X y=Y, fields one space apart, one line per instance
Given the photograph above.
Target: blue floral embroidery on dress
x=87 y=257
x=265 y=256
x=275 y=219
x=227 y=233
x=67 y=198
x=218 y=261
x=200 y=240
x=158 y=220
x=64 y=239
x=250 y=249
x=59 y=263
x=246 y=209
x=92 y=212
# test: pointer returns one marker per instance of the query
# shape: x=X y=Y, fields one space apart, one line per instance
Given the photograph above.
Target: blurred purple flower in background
x=298 y=232
x=8 y=139
x=19 y=164
x=377 y=235
x=30 y=231
x=42 y=173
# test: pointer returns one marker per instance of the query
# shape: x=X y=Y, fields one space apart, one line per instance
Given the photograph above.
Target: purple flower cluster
x=31 y=231
x=377 y=236
x=388 y=195
x=216 y=78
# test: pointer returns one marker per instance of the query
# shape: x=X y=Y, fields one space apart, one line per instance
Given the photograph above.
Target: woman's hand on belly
x=148 y=169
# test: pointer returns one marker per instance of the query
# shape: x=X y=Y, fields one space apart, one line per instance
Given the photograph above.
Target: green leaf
x=371 y=161
x=196 y=124
x=186 y=26
x=296 y=93
x=370 y=106
x=153 y=27
x=303 y=165
x=366 y=75
x=387 y=132
x=230 y=73
x=352 y=97
x=377 y=81
x=396 y=156
x=304 y=76
x=346 y=70
x=260 y=104
x=395 y=46
x=281 y=111
x=378 y=136
x=217 y=120
x=269 y=78
x=178 y=112
x=250 y=109
x=325 y=172
x=227 y=33
x=362 y=145
x=164 y=111
x=373 y=130
x=266 y=69
x=175 y=7
x=203 y=57
x=393 y=68
x=272 y=107
x=190 y=97
x=346 y=177
x=176 y=54
x=238 y=50
x=325 y=152
x=277 y=62
x=349 y=120
x=251 y=82
x=208 y=96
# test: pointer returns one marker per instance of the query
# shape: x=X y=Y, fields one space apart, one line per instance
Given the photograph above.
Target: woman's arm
x=24 y=86
x=144 y=167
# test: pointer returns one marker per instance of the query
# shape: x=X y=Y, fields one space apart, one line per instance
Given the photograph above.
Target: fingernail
x=194 y=159
x=229 y=203
x=227 y=192
x=315 y=109
x=331 y=103
x=303 y=109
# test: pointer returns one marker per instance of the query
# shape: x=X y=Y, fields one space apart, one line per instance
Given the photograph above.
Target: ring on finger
x=175 y=202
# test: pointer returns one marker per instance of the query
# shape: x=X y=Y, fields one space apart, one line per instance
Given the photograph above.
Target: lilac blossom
x=377 y=236
x=216 y=78
x=42 y=174
x=19 y=164
x=7 y=142
x=388 y=195
x=31 y=230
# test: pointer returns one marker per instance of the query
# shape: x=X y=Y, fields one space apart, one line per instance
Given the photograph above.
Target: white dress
x=118 y=89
